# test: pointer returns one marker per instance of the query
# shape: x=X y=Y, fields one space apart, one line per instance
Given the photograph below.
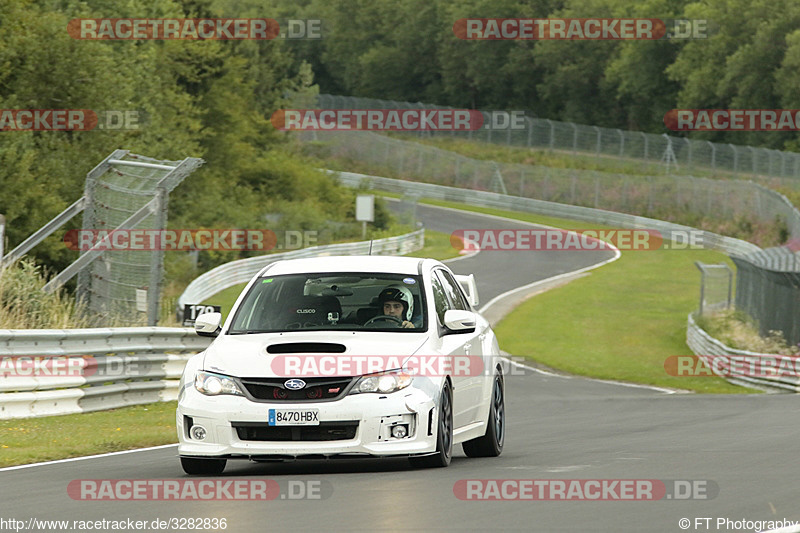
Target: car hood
x=247 y=355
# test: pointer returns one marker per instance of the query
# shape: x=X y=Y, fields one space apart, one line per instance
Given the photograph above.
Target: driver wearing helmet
x=398 y=302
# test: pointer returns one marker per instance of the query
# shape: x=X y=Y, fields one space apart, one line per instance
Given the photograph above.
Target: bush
x=737 y=330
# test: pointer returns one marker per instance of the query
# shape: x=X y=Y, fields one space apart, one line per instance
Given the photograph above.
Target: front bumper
x=374 y=413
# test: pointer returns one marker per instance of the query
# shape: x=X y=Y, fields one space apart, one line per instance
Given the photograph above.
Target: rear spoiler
x=470 y=287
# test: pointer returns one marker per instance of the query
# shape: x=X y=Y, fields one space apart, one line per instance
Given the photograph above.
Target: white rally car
x=354 y=356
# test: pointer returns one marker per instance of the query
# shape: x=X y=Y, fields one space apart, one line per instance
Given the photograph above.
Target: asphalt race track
x=740 y=451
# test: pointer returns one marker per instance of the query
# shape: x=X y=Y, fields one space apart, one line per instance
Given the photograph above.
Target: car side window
x=452 y=290
x=439 y=298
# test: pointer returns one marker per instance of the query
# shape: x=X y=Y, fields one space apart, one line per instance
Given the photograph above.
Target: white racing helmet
x=397 y=293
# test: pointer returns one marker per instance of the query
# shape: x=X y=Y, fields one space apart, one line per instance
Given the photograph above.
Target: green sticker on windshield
x=269 y=280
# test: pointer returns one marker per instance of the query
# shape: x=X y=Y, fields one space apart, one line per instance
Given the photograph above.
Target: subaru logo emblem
x=294 y=384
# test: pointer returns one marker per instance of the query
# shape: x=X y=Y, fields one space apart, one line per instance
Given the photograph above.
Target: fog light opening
x=400 y=431
x=198 y=432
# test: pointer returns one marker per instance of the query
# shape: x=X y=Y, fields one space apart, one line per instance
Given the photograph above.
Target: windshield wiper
x=249 y=331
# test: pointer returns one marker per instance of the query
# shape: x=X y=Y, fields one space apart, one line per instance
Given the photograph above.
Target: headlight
x=212 y=384
x=383 y=383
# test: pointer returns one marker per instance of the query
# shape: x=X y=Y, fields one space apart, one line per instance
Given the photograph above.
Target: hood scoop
x=306 y=347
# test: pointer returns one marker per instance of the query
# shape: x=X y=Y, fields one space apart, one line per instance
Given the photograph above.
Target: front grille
x=325 y=431
x=316 y=389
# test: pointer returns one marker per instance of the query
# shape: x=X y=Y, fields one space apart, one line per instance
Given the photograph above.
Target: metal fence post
x=713 y=155
x=794 y=165
x=597 y=148
x=702 y=286
x=644 y=136
x=596 y=191
x=552 y=134
x=690 y=163
x=530 y=131
x=157 y=259
x=621 y=143
x=574 y=137
x=735 y=159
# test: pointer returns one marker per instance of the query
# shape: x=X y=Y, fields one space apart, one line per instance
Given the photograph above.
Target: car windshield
x=346 y=301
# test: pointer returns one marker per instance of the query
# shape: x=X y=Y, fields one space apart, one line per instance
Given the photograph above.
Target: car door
x=467 y=385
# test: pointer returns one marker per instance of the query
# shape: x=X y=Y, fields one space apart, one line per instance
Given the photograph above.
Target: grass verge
x=621 y=322
x=32 y=440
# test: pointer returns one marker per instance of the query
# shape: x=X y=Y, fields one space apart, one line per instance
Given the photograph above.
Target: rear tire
x=444 y=434
x=202 y=467
x=491 y=444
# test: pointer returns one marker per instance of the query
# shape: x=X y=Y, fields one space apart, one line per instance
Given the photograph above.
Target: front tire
x=203 y=467
x=491 y=444
x=444 y=434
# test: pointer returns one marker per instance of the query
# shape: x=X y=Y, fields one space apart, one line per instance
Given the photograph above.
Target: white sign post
x=365 y=211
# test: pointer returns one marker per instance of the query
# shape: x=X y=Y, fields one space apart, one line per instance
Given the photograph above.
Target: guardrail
x=127 y=366
x=702 y=344
x=241 y=270
x=541 y=207
x=60 y=371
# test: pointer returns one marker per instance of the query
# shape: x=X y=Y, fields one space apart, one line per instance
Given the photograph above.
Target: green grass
x=31 y=440
x=225 y=299
x=620 y=323
x=567 y=159
x=437 y=246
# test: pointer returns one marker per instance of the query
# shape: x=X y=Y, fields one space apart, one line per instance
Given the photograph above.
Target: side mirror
x=459 y=320
x=207 y=324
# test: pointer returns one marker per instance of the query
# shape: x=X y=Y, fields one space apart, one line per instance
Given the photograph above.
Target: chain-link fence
x=128 y=191
x=716 y=284
x=655 y=196
x=771 y=297
x=651 y=153
x=768 y=289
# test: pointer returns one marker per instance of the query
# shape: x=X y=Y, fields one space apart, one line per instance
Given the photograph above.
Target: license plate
x=293 y=417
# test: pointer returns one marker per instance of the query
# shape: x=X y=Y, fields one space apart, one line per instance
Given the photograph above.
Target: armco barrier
x=152 y=358
x=540 y=207
x=241 y=270
x=701 y=343
x=115 y=367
